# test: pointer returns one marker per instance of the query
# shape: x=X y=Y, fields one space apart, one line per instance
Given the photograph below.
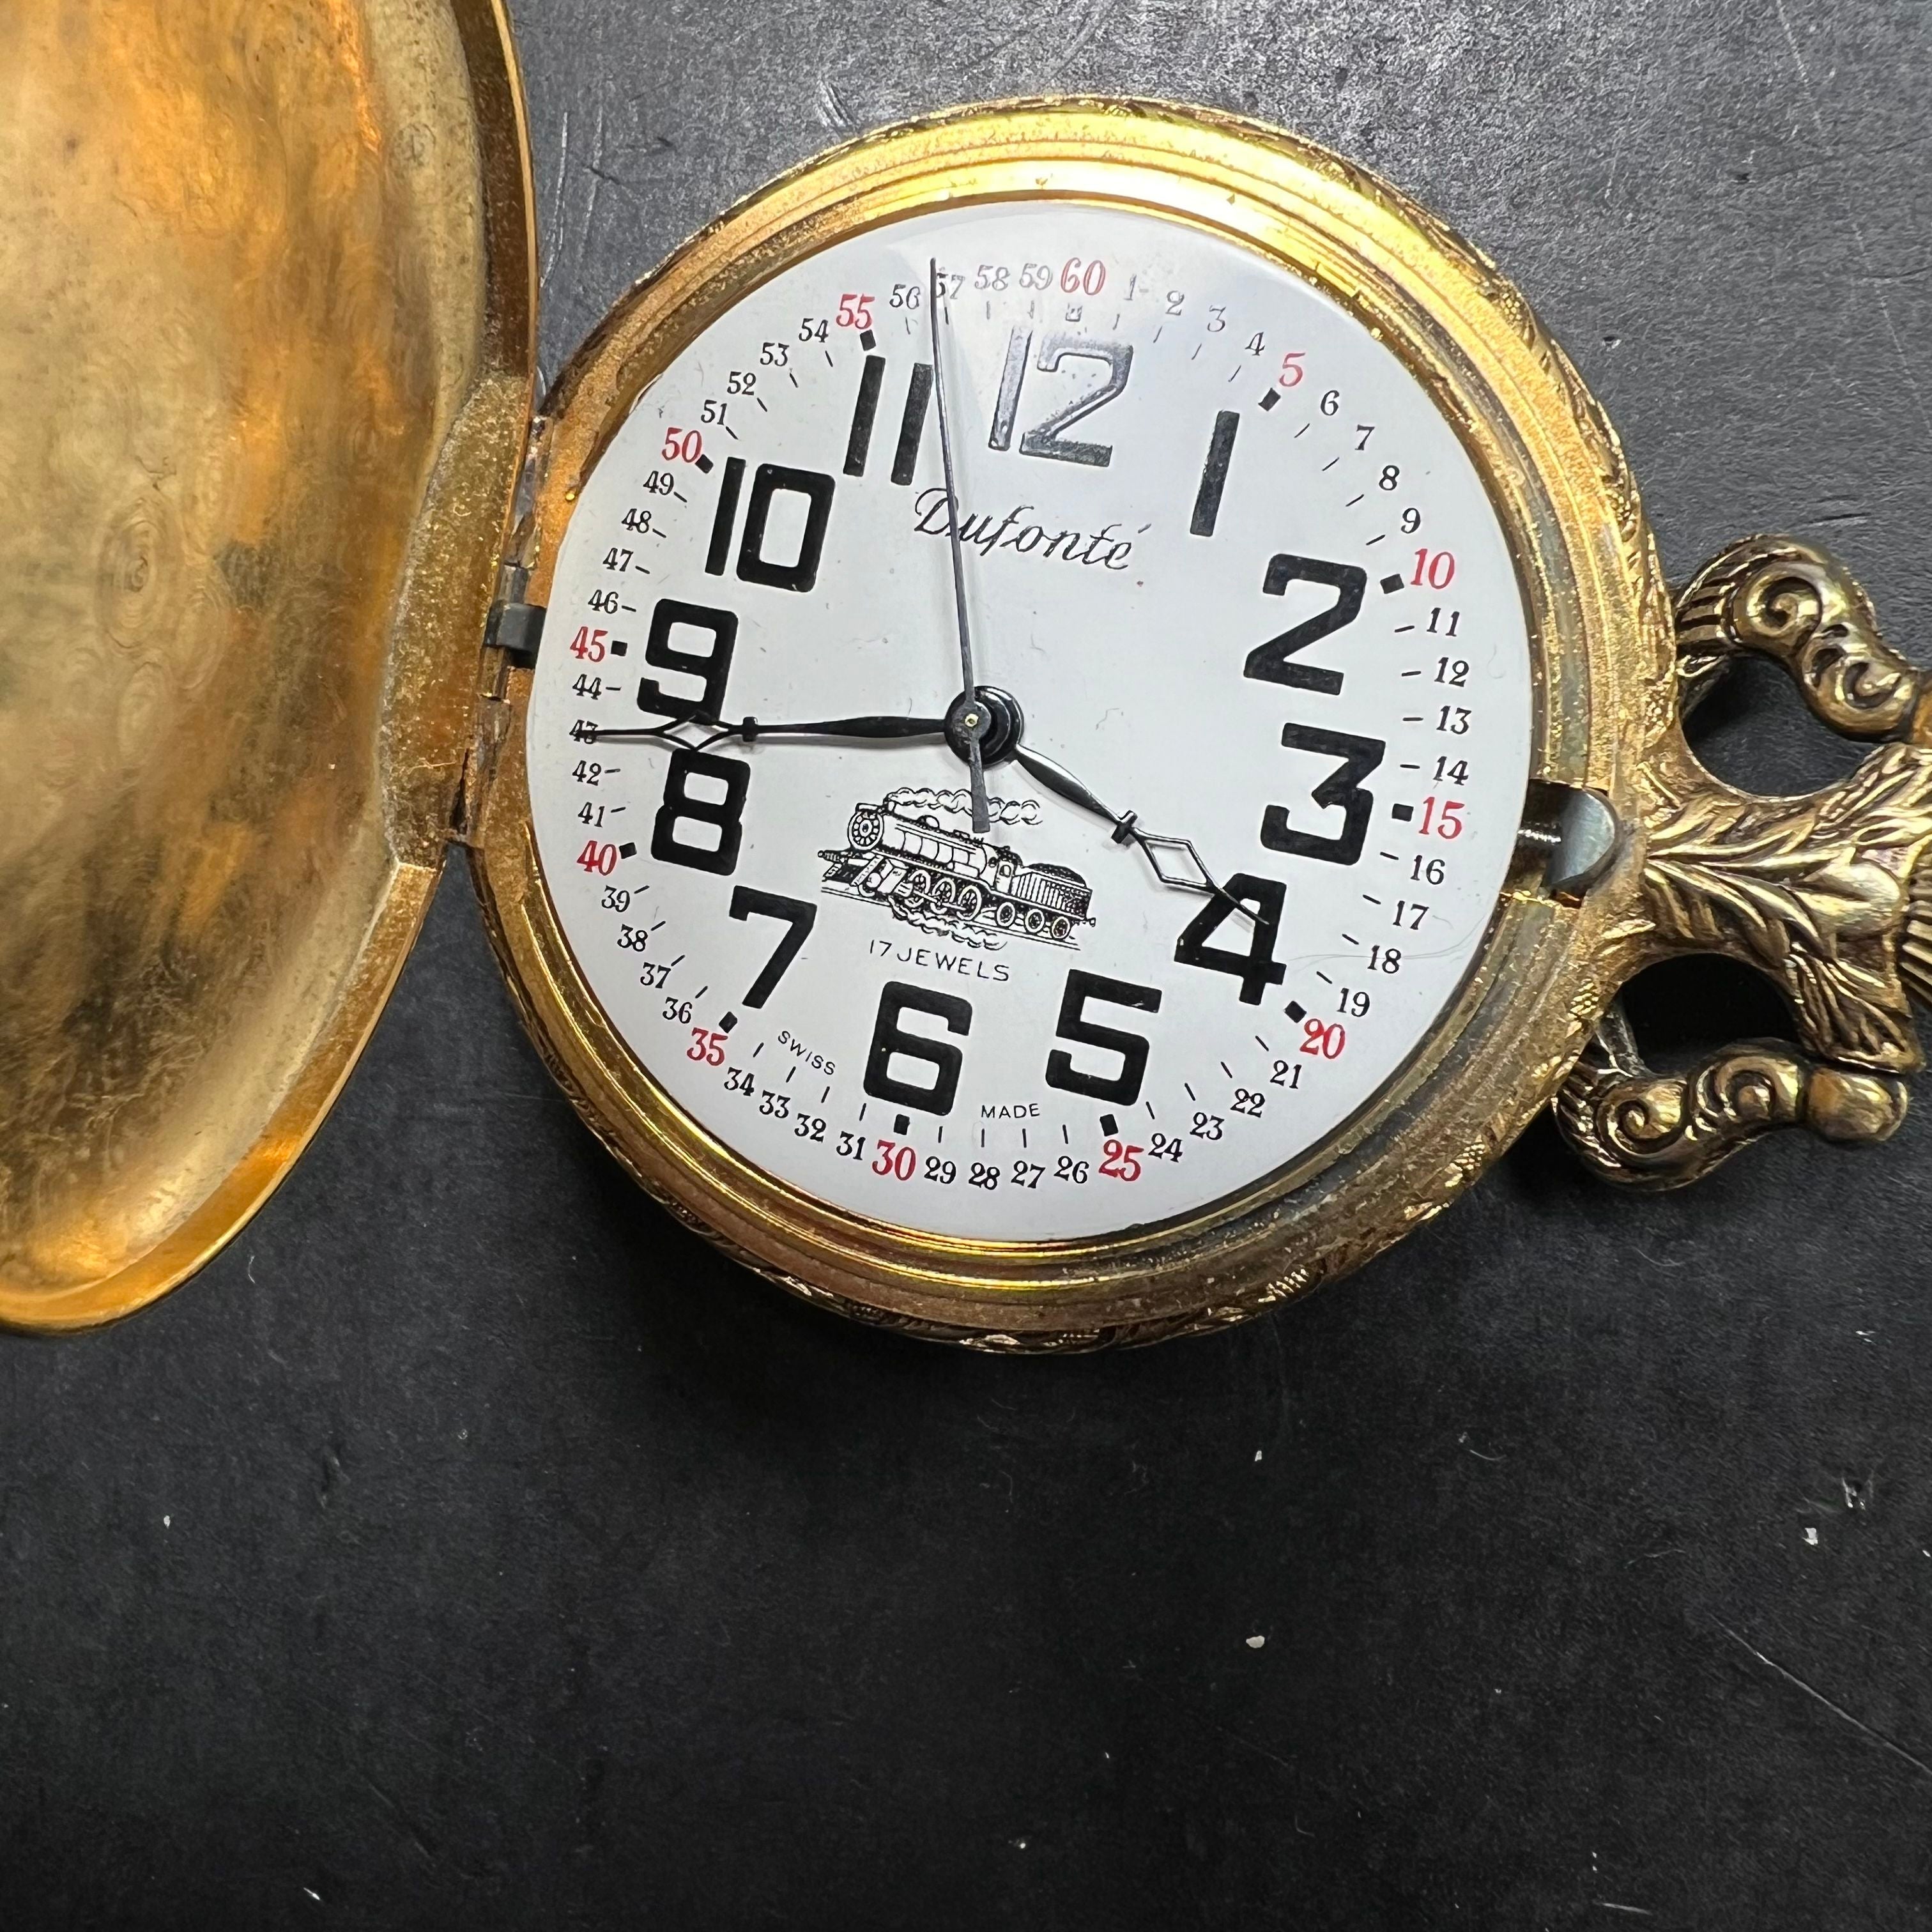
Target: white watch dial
x=1225 y=566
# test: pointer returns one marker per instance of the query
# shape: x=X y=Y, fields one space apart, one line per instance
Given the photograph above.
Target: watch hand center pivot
x=988 y=717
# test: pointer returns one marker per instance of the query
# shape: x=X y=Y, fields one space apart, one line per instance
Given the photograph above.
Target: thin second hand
x=982 y=819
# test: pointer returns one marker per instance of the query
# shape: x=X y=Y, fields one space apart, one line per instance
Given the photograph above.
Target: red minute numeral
x=597 y=858
x=1441 y=816
x=589 y=644
x=1434 y=568
x=707 y=1047
x=1121 y=1161
x=1078 y=277
x=1292 y=370
x=1324 y=1039
x=855 y=311
x=895 y=1160
x=681 y=446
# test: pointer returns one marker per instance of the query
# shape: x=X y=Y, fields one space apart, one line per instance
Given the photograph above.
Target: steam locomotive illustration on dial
x=899 y=854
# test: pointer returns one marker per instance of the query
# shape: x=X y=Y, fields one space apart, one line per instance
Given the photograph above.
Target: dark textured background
x=470 y=1546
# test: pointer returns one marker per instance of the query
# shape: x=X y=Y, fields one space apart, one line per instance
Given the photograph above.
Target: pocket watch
x=1064 y=723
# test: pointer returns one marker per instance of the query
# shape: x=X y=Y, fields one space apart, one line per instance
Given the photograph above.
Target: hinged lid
x=269 y=278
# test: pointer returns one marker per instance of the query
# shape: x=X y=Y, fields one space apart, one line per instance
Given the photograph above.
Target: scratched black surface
x=469 y=1545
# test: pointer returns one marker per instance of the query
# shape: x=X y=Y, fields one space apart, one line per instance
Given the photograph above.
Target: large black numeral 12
x=1044 y=438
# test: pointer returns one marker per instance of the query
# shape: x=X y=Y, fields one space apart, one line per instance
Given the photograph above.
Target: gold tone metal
x=1784 y=600
x=1645 y=1130
x=1823 y=894
x=1604 y=665
x=267 y=359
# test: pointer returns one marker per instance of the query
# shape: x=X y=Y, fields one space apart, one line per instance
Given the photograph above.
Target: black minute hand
x=975 y=759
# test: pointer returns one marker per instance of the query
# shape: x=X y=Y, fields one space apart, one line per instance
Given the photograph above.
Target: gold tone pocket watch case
x=268 y=360
x=271 y=341
x=1600 y=650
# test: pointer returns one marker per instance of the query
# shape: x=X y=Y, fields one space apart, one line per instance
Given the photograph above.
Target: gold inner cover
x=261 y=415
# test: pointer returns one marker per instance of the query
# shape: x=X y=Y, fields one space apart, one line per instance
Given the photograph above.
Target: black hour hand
x=1175 y=861
x=1057 y=778
x=751 y=729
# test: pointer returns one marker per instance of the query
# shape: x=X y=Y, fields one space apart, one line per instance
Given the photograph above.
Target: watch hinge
x=515 y=628
x=512 y=635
